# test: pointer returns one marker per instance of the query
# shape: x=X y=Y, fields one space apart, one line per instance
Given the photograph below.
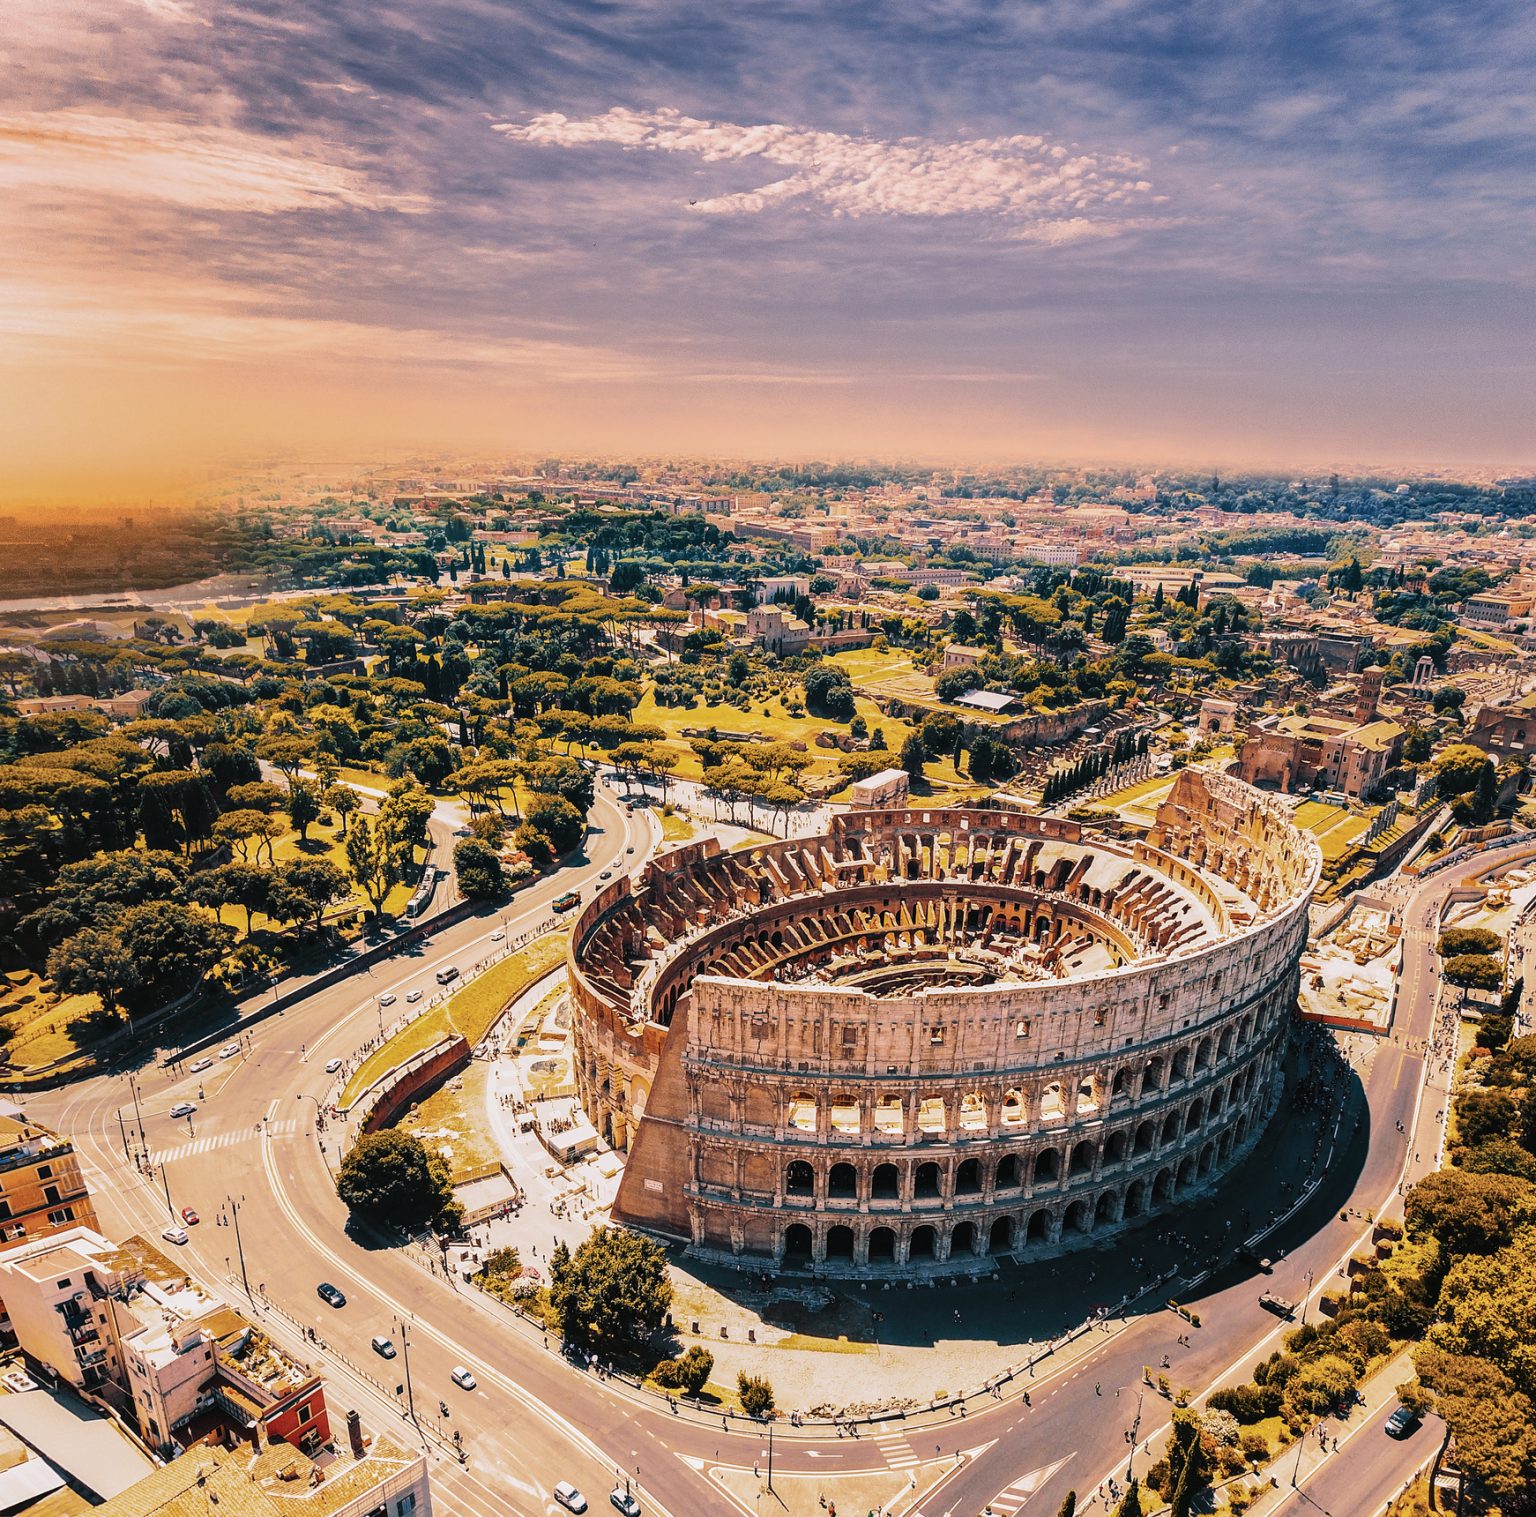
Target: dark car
x=1402 y=1422
x=330 y=1295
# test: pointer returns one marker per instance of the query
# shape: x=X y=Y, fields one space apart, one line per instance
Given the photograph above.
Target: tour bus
x=566 y=901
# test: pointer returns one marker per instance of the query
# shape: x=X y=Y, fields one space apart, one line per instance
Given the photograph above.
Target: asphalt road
x=1369 y=1469
x=535 y=1419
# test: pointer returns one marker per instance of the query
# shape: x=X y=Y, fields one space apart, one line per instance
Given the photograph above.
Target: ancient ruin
x=933 y=1036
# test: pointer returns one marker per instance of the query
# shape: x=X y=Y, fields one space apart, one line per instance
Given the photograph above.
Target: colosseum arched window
x=1009 y=1174
x=1153 y=1078
x=930 y=1114
x=973 y=1112
x=924 y=1243
x=1083 y=1156
x=1047 y=1166
x=885 y=1183
x=1015 y=1111
x=799 y=1178
x=1146 y=1138
x=1118 y=1148
x=801 y=1111
x=1000 y=1238
x=1051 y=1108
x=968 y=1177
x=962 y=1240
x=840 y=1242
x=926 y=1182
x=882 y=1245
x=842 y=1182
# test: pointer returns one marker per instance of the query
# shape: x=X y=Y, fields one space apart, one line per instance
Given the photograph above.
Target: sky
x=1235 y=231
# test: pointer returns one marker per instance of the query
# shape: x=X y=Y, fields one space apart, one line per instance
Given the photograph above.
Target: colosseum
x=928 y=1038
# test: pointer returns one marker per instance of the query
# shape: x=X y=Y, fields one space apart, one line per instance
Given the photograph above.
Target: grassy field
x=885 y=673
x=40 y=1028
x=469 y=1013
x=674 y=827
x=452 y=1120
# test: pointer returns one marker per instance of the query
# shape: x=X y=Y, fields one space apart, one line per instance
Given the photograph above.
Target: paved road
x=535 y=1419
x=1368 y=1470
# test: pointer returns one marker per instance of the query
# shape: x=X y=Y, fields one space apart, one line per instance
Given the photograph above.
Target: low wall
x=394 y=1091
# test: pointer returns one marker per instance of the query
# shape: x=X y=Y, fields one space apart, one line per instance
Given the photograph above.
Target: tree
x=558 y=820
x=1459 y=768
x=233 y=884
x=478 y=869
x=157 y=949
x=406 y=811
x=1469 y=1213
x=1130 y=1503
x=1474 y=971
x=613 y=1294
x=1459 y=940
x=913 y=755
x=1491 y=1418
x=1069 y=1505
x=95 y=891
x=755 y=1394
x=392 y=1178
x=345 y=802
x=376 y=859
x=304 y=888
x=303 y=806
x=689 y=1374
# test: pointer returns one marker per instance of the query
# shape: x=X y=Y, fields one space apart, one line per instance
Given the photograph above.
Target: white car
x=229 y=1050
x=332 y=1065
x=413 y=996
x=569 y=1497
x=462 y=1378
x=174 y=1234
x=498 y=935
x=621 y=1501
x=200 y=1066
x=387 y=999
x=183 y=1109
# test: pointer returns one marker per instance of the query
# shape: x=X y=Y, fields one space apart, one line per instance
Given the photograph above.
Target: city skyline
x=960 y=233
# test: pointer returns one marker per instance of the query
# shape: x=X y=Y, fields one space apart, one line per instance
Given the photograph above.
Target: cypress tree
x=1069 y=1506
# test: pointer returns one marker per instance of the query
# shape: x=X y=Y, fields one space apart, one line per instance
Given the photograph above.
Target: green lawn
x=470 y=1012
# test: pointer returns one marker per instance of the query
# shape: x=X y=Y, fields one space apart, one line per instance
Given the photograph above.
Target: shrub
x=756 y=1395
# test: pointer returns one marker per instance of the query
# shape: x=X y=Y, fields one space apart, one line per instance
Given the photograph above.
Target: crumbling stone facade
x=933 y=1036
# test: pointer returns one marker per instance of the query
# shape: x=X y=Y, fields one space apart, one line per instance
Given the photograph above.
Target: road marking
x=1012 y=1497
x=284 y=1129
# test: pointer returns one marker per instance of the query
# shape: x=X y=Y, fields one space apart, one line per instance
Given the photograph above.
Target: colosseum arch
x=1036 y=994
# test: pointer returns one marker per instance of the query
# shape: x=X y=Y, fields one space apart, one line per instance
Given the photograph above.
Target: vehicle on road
x=174 y=1234
x=567 y=901
x=498 y=935
x=630 y=849
x=183 y=1109
x=607 y=874
x=387 y=998
x=330 y=1295
x=447 y=975
x=621 y=1501
x=569 y=1497
x=332 y=1065
x=1278 y=1305
x=229 y=1050
x=189 y=1216
x=200 y=1066
x=461 y=832
x=384 y=1346
x=1402 y=1422
x=462 y=1378
x=413 y=995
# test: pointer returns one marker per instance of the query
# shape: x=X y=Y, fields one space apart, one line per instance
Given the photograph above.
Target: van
x=384 y=1347
x=447 y=976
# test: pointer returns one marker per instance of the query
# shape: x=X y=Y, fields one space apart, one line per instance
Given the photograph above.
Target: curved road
x=535 y=1419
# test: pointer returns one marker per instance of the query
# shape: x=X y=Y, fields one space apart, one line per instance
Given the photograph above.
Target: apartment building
x=42 y=1190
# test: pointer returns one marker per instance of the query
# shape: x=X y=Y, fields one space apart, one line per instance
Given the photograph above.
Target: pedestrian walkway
x=210 y=1141
x=897 y=1452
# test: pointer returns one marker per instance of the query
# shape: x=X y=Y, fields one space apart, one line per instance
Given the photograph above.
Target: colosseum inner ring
x=930 y=1037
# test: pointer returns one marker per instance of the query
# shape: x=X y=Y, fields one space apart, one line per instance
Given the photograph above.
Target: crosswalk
x=1011 y=1498
x=897 y=1452
x=211 y=1141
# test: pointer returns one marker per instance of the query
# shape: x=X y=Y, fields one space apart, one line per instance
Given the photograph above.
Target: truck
x=1278 y=1305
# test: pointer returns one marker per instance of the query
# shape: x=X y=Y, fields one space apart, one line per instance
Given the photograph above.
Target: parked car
x=330 y=1295
x=387 y=998
x=621 y=1501
x=174 y=1234
x=183 y=1109
x=1402 y=1422
x=462 y=1378
x=384 y=1346
x=569 y=1497
x=332 y=1065
x=229 y=1050
x=189 y=1216
x=200 y=1066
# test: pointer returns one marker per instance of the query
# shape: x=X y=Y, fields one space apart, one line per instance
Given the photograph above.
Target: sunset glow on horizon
x=1222 y=233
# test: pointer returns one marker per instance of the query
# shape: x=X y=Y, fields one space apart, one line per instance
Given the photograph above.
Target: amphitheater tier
x=941 y=1035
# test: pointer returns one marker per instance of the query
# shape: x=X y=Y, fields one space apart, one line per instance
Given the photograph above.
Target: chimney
x=355 y=1434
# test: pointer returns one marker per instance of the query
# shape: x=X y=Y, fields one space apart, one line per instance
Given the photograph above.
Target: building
x=1492 y=609
x=1217 y=716
x=962 y=656
x=123 y=1323
x=1506 y=728
x=934 y=1036
x=776 y=630
x=367 y=1478
x=42 y=1189
x=890 y=787
x=1297 y=753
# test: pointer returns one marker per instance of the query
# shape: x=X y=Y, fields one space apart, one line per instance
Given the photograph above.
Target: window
x=5 y=1209
x=407 y=1503
x=50 y=1193
x=45 y=1171
x=63 y=1215
x=62 y=1285
x=305 y=1413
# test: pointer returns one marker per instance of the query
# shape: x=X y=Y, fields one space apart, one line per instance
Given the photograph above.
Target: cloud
x=192 y=167
x=1057 y=192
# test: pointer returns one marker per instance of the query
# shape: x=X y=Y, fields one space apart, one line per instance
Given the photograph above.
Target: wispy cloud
x=192 y=167
x=1062 y=192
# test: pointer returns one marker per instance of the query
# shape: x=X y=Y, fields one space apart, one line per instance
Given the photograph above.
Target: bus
x=567 y=901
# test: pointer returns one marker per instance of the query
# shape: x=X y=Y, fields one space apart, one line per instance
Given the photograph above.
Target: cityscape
x=766 y=764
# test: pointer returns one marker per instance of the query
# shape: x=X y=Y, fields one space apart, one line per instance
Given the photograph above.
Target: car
x=332 y=1065
x=462 y=1378
x=607 y=874
x=569 y=1497
x=498 y=935
x=174 y=1234
x=183 y=1109
x=447 y=975
x=229 y=1050
x=387 y=998
x=413 y=996
x=1278 y=1305
x=189 y=1216
x=462 y=832
x=1402 y=1422
x=384 y=1346
x=200 y=1066
x=621 y=1501
x=630 y=849
x=330 y=1295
